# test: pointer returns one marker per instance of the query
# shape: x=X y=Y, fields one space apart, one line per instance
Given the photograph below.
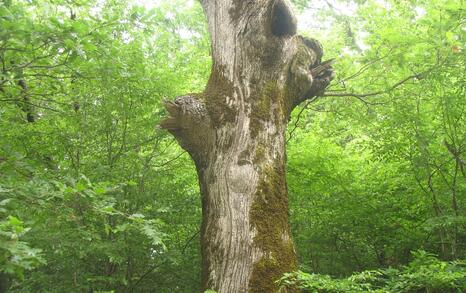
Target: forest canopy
x=96 y=197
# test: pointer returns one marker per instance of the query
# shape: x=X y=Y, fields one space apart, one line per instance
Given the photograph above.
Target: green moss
x=263 y=108
x=216 y=95
x=269 y=211
x=260 y=155
x=269 y=217
x=292 y=94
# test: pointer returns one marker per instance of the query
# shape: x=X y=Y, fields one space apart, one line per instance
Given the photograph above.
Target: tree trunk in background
x=235 y=133
x=5 y=282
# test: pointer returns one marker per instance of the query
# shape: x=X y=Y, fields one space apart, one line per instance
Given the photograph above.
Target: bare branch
x=360 y=71
x=170 y=160
x=31 y=104
x=362 y=96
x=188 y=122
x=295 y=126
x=456 y=153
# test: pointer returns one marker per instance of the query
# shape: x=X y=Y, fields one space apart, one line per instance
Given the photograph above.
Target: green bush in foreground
x=426 y=273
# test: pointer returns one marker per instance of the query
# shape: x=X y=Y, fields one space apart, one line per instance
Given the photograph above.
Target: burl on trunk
x=235 y=133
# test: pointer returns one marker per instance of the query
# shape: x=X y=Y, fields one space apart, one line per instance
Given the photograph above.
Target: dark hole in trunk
x=283 y=22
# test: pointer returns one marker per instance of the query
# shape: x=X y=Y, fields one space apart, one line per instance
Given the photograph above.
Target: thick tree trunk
x=235 y=133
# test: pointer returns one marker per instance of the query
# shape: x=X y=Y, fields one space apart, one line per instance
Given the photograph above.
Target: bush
x=426 y=273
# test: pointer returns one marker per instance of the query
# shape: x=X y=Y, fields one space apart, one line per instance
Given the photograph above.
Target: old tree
x=235 y=133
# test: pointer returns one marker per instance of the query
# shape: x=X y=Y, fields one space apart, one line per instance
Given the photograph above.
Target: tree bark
x=235 y=133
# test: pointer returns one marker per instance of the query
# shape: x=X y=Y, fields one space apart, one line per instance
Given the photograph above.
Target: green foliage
x=90 y=175
x=300 y=5
x=93 y=197
x=425 y=273
x=374 y=168
x=15 y=255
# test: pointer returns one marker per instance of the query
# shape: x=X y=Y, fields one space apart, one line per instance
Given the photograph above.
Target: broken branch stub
x=189 y=123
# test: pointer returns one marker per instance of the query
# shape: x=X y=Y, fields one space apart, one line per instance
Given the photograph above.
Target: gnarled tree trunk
x=235 y=133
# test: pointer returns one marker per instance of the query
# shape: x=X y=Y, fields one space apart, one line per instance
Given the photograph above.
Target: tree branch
x=362 y=96
x=295 y=126
x=170 y=160
x=31 y=104
x=189 y=122
x=361 y=70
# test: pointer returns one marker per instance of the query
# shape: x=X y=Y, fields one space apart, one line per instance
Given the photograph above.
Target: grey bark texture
x=235 y=133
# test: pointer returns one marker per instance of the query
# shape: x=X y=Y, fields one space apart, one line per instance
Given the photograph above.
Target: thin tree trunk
x=27 y=106
x=5 y=282
x=235 y=133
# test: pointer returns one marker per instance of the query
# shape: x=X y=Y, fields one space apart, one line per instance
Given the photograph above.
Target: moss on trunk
x=269 y=220
x=268 y=106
